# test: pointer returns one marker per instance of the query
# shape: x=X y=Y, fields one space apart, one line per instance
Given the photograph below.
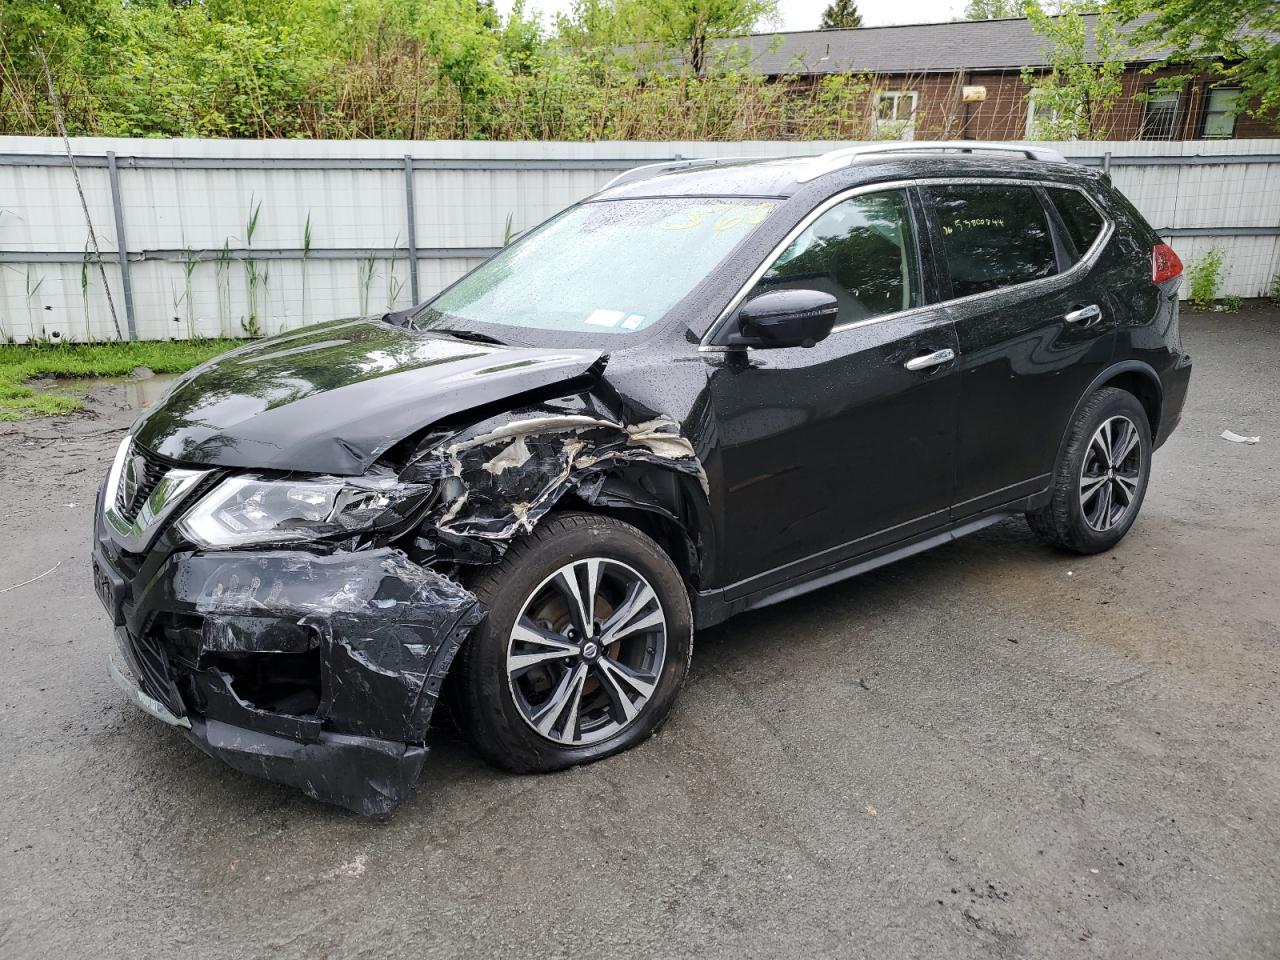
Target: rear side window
x=862 y=251
x=993 y=236
x=1081 y=218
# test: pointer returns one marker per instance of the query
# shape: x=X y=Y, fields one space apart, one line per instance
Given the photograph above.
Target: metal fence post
x=122 y=245
x=1106 y=161
x=412 y=217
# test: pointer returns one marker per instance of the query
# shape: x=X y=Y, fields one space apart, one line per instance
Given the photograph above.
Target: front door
x=833 y=450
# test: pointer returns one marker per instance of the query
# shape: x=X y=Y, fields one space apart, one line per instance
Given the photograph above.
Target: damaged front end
x=310 y=648
x=318 y=671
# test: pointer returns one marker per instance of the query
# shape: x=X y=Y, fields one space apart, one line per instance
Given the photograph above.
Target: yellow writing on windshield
x=720 y=217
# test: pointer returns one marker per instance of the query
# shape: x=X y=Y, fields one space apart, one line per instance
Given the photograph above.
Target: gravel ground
x=991 y=749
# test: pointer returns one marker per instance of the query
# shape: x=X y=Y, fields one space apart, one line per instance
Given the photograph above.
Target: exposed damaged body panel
x=499 y=477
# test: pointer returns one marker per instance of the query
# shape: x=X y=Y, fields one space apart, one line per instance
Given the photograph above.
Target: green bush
x=1204 y=278
x=407 y=69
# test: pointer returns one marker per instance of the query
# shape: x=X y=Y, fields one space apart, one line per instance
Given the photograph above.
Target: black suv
x=709 y=387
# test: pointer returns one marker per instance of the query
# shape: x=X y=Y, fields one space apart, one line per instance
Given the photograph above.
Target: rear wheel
x=1101 y=477
x=586 y=644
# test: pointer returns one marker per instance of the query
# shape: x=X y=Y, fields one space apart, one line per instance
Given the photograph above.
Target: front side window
x=895 y=114
x=614 y=268
x=1079 y=216
x=862 y=251
x=1220 y=112
x=993 y=236
x=1160 y=115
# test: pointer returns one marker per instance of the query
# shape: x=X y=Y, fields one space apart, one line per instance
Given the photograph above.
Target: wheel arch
x=662 y=504
x=1134 y=377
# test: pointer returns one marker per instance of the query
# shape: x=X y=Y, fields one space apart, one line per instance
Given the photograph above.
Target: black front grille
x=150 y=664
x=147 y=470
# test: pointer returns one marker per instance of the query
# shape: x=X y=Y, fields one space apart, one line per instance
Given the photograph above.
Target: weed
x=1204 y=278
x=306 y=257
x=254 y=276
x=85 y=260
x=368 y=268
x=223 y=282
x=33 y=288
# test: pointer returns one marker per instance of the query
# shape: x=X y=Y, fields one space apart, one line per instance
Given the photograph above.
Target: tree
x=841 y=15
x=692 y=25
x=993 y=9
x=1237 y=41
x=1073 y=99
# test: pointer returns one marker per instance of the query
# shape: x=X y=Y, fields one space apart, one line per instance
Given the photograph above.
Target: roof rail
x=838 y=159
x=647 y=170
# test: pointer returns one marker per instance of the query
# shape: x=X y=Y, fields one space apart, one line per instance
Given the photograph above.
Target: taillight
x=1165 y=264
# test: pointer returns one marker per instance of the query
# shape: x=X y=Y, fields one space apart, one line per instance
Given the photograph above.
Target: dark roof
x=786 y=176
x=911 y=48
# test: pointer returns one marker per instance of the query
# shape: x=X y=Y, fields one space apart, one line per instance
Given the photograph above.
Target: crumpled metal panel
x=386 y=627
x=500 y=476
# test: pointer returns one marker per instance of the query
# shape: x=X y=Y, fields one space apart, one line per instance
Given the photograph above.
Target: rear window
x=993 y=236
x=1081 y=218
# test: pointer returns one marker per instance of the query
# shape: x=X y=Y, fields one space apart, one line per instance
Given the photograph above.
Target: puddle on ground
x=130 y=392
x=142 y=394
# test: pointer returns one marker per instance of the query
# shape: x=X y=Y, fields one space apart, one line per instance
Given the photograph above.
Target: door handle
x=1087 y=315
x=935 y=359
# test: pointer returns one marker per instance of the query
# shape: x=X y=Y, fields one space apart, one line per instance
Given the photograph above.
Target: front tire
x=585 y=646
x=1101 y=477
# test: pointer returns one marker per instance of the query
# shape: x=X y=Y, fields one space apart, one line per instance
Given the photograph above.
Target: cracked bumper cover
x=366 y=637
x=364 y=774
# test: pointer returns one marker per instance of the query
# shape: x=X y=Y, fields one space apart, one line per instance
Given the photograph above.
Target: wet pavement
x=988 y=750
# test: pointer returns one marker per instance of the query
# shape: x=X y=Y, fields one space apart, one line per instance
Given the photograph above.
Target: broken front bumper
x=364 y=774
x=320 y=671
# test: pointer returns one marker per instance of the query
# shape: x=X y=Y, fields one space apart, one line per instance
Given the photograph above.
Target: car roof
x=787 y=176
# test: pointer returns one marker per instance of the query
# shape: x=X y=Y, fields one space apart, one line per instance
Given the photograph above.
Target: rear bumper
x=1176 y=382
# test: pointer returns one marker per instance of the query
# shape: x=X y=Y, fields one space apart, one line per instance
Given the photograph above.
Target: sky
x=806 y=14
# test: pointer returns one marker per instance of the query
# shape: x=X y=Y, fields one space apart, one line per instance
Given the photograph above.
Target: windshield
x=614 y=267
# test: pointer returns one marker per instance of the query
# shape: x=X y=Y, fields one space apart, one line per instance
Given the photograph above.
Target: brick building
x=919 y=73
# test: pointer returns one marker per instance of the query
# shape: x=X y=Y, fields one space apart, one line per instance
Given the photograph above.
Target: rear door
x=833 y=450
x=1034 y=329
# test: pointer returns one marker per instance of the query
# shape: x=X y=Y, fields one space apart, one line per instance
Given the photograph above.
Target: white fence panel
x=332 y=234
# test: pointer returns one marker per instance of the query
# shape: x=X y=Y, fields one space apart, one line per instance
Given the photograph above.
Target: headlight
x=253 y=510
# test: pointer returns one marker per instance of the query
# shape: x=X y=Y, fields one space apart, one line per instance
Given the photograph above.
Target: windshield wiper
x=402 y=318
x=475 y=336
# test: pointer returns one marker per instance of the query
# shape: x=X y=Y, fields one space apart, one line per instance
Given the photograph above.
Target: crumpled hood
x=336 y=396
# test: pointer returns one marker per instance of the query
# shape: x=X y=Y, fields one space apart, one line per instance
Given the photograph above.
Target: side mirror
x=786 y=318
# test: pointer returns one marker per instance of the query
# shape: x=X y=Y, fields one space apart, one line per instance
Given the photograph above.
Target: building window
x=895 y=115
x=1220 y=112
x=1160 y=114
x=1046 y=121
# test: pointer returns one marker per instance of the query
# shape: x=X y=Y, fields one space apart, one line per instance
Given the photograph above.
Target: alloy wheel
x=1111 y=474
x=587 y=651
